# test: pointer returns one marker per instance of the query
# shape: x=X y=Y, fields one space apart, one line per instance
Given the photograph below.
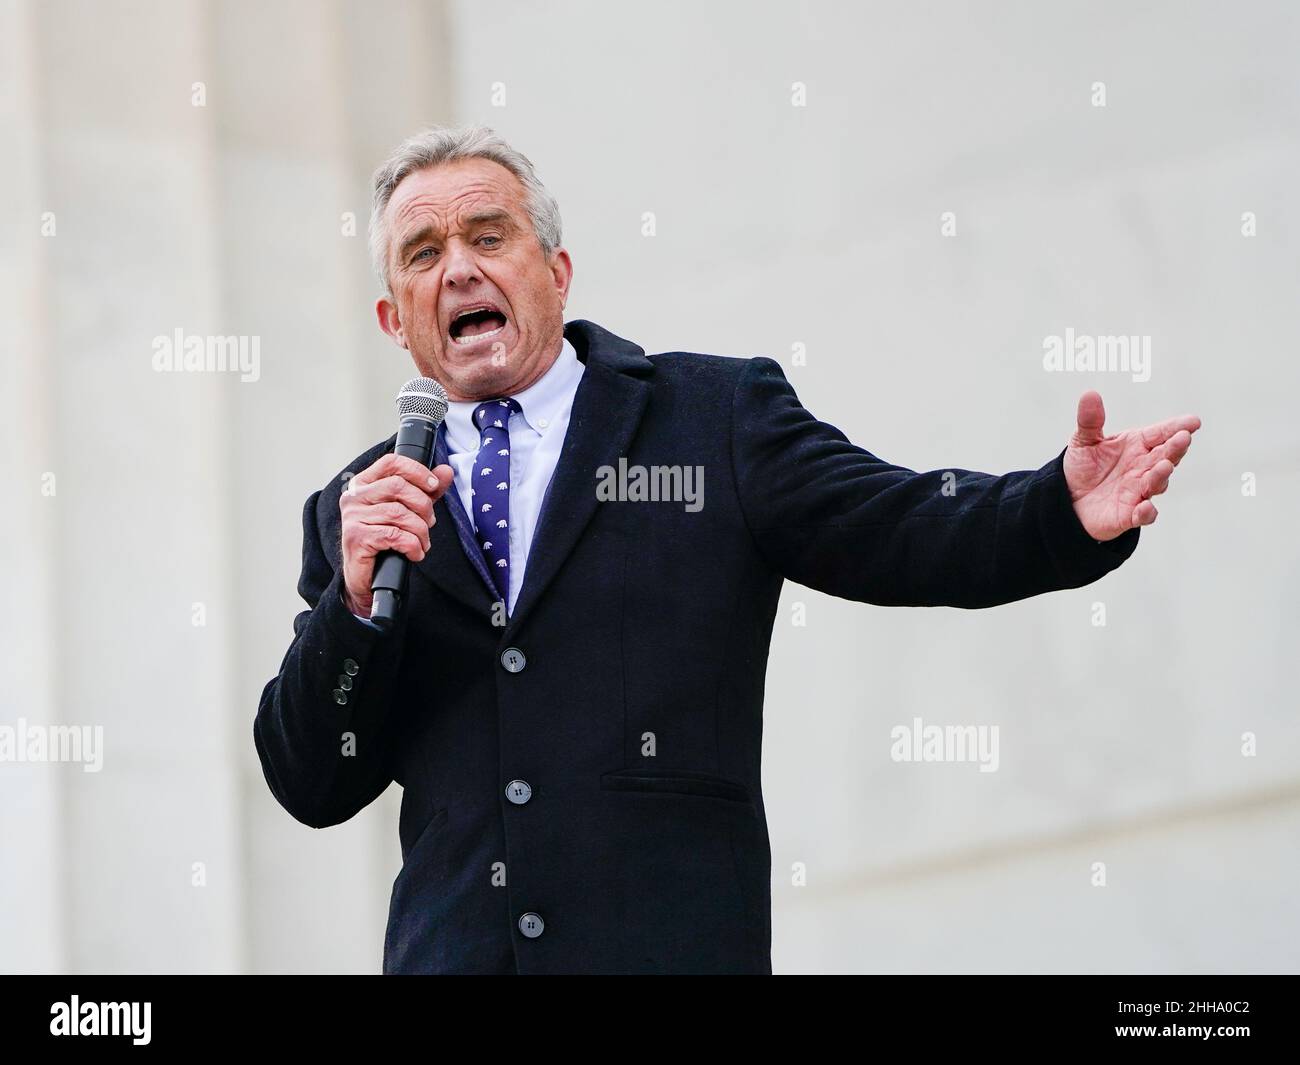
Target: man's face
x=459 y=237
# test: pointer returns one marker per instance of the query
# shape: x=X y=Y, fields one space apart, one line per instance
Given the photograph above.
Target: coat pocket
x=677 y=782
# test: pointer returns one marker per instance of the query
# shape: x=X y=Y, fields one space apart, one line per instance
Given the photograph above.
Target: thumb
x=1091 y=419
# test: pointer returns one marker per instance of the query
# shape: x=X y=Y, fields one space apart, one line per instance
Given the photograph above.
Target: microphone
x=421 y=407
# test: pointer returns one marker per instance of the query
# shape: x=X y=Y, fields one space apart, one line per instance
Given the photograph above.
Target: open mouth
x=476 y=324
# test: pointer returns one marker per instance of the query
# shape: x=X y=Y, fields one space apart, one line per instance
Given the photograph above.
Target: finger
x=442 y=476
x=395 y=513
x=399 y=489
x=395 y=465
x=377 y=538
x=1144 y=513
x=1090 y=419
x=1156 y=479
x=1172 y=449
x=1154 y=435
x=382 y=467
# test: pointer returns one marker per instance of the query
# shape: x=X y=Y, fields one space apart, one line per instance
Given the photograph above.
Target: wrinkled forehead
x=451 y=196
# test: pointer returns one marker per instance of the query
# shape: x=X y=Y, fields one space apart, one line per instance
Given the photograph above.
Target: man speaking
x=571 y=693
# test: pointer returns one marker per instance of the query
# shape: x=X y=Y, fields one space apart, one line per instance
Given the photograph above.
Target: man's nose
x=459 y=266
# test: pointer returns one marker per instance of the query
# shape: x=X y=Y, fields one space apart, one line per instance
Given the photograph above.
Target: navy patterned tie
x=490 y=488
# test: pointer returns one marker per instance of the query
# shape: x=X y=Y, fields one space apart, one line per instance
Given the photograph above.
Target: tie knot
x=495 y=413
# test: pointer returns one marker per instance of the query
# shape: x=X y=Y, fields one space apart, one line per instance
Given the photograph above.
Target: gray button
x=519 y=791
x=345 y=682
x=340 y=696
x=530 y=924
x=513 y=660
x=350 y=667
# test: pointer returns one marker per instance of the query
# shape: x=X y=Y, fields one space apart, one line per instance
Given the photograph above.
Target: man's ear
x=389 y=320
x=562 y=271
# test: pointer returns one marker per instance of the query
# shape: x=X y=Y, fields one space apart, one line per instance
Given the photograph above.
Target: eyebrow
x=490 y=214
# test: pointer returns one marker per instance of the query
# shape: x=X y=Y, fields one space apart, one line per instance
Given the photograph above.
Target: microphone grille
x=422 y=397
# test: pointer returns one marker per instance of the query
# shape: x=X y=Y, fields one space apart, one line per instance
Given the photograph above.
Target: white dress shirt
x=536 y=437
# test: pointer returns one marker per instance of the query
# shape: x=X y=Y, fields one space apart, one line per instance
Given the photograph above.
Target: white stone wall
x=181 y=489
x=820 y=225
x=775 y=226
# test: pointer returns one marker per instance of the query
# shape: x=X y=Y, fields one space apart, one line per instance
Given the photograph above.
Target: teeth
x=475 y=310
x=480 y=336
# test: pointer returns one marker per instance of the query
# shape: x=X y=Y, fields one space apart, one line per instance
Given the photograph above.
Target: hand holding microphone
x=387 y=508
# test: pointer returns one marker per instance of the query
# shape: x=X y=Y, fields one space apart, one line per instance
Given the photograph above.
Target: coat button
x=350 y=667
x=345 y=682
x=519 y=792
x=340 y=696
x=513 y=660
x=530 y=924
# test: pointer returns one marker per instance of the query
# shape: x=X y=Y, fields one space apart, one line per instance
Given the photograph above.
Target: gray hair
x=433 y=147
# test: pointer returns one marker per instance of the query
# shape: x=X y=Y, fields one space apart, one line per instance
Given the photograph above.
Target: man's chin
x=483 y=376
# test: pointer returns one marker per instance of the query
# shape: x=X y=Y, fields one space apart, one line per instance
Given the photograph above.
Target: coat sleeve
x=830 y=515
x=322 y=722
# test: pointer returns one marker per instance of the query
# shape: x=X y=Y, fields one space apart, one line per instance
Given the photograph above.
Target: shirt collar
x=543 y=403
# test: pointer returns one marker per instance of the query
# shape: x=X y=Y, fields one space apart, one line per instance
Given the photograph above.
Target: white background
x=776 y=225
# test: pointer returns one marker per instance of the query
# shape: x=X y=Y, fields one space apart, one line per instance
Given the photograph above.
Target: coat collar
x=607 y=410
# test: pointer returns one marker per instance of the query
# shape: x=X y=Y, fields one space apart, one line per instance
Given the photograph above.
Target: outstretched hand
x=1113 y=478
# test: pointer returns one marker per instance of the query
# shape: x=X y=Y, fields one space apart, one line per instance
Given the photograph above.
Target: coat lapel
x=607 y=410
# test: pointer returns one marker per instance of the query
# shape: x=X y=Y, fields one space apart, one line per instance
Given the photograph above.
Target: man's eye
x=423 y=252
x=497 y=239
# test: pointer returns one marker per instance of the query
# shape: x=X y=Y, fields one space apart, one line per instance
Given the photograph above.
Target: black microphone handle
x=415 y=440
